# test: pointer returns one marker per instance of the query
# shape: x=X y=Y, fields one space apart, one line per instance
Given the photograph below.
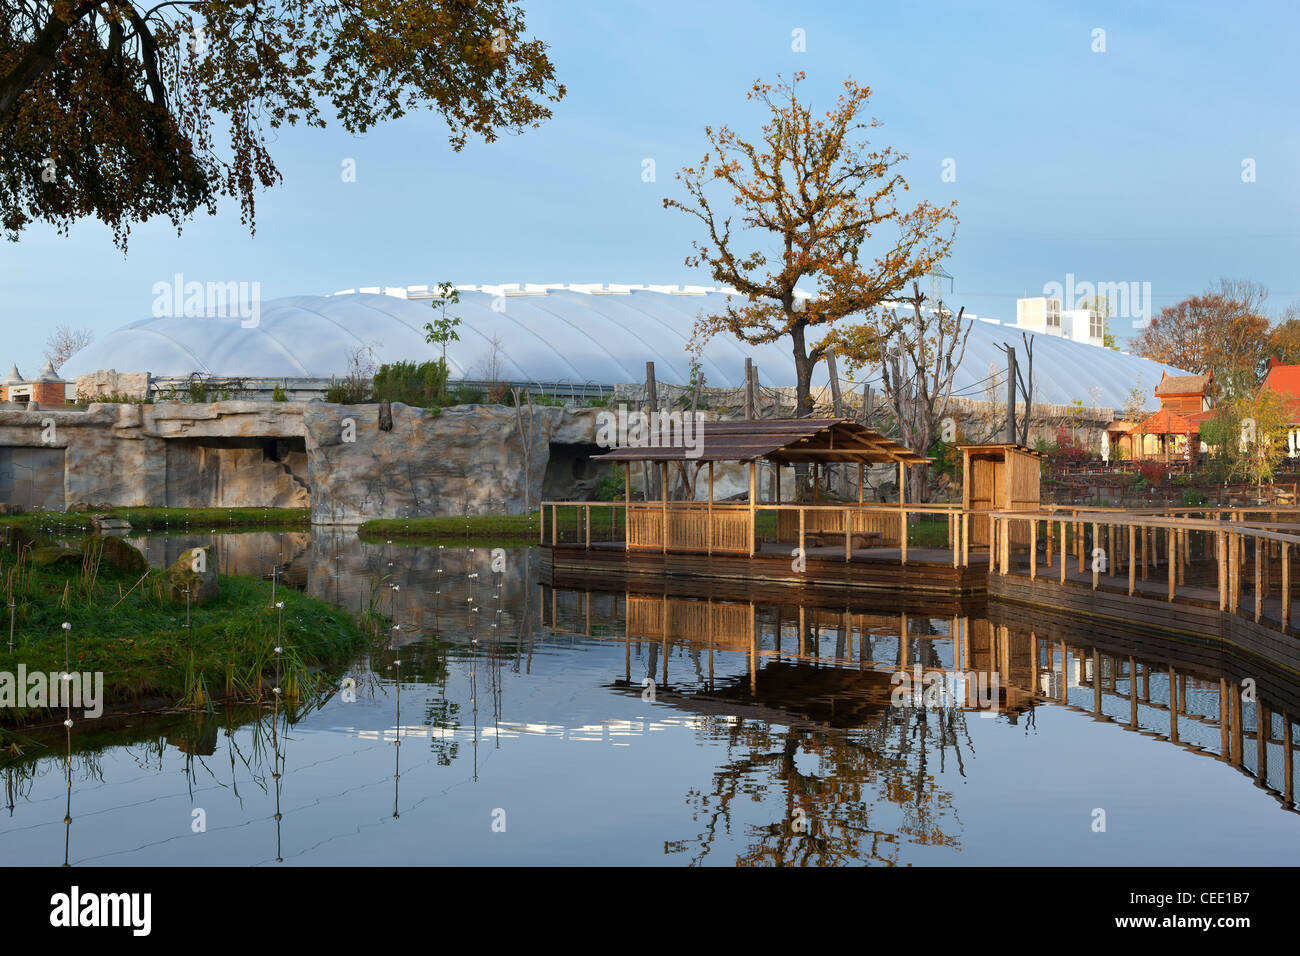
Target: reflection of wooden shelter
x=998 y=477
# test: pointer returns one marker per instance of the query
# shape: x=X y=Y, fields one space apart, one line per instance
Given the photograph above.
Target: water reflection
x=618 y=726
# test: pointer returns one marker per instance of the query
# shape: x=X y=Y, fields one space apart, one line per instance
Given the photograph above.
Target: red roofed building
x=1285 y=380
x=1172 y=433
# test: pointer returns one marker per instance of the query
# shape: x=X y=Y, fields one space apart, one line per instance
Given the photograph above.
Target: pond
x=504 y=721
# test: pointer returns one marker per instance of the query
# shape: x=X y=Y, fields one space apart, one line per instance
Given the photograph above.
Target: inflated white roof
x=556 y=334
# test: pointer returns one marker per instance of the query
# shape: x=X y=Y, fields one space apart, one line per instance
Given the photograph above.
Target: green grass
x=167 y=519
x=124 y=627
x=516 y=527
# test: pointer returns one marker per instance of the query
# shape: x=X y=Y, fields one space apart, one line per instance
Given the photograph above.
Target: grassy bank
x=514 y=529
x=167 y=519
x=125 y=626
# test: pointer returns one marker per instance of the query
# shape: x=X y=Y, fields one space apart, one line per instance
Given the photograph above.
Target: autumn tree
x=1284 y=338
x=1222 y=330
x=813 y=188
x=112 y=109
x=64 y=342
x=1247 y=435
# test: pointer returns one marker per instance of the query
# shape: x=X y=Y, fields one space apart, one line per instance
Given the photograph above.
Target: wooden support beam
x=1259 y=579
x=663 y=501
x=1033 y=549
x=1286 y=584
x=753 y=512
x=1132 y=568
x=1064 y=552
x=1096 y=568
x=1288 y=787
x=1221 y=562
x=709 y=515
x=1171 y=552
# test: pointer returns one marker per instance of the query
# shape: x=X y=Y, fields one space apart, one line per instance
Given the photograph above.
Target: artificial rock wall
x=469 y=459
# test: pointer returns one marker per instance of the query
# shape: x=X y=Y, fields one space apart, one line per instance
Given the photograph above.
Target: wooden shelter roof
x=781 y=440
x=1183 y=384
x=1003 y=446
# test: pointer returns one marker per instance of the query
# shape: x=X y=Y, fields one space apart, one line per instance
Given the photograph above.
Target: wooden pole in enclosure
x=1132 y=568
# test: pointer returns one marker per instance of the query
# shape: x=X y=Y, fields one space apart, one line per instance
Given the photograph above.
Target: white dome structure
x=556 y=334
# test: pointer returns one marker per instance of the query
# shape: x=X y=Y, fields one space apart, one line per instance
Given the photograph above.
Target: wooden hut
x=998 y=477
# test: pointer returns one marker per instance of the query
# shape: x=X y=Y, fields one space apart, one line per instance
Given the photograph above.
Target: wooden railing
x=692 y=526
x=1243 y=563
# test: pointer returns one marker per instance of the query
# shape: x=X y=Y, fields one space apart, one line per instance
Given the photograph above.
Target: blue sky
x=1117 y=166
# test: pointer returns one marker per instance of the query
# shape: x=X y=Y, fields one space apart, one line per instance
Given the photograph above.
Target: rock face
x=116 y=553
x=172 y=454
x=335 y=459
x=472 y=459
x=108 y=382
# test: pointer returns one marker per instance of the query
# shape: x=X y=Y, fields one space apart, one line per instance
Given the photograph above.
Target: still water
x=508 y=722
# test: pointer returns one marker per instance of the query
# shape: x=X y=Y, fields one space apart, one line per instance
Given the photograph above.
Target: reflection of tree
x=872 y=792
x=443 y=714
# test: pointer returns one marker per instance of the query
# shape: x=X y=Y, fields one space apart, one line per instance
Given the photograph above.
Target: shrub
x=1152 y=472
x=411 y=383
x=278 y=395
x=609 y=486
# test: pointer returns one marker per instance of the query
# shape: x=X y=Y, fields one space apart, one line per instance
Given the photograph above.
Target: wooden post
x=1171 y=550
x=749 y=389
x=860 y=482
x=541 y=524
x=902 y=513
x=1033 y=549
x=848 y=535
x=802 y=551
x=1142 y=533
x=1286 y=584
x=1048 y=527
x=1263 y=732
x=753 y=513
x=1288 y=790
x=1110 y=550
x=663 y=503
x=1132 y=568
x=1096 y=570
x=1184 y=553
x=965 y=539
x=652 y=407
x=1234 y=571
x=555 y=527
x=1221 y=562
x=710 y=509
x=587 y=520
x=627 y=506
x=1173 y=705
x=1064 y=553
x=1259 y=579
